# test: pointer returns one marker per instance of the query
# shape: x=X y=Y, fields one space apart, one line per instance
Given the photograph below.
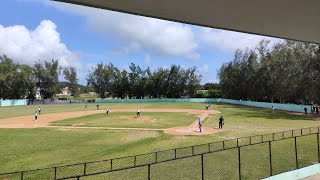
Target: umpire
x=221 y=122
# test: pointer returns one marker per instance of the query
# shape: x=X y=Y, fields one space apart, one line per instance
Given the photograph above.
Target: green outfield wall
x=19 y=102
x=277 y=106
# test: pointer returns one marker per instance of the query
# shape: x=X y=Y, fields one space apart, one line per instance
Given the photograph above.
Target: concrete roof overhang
x=289 y=19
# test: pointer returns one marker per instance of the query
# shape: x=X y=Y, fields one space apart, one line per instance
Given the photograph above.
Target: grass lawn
x=23 y=149
x=128 y=120
x=7 y=112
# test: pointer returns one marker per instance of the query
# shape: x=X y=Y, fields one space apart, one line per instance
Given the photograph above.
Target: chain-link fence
x=253 y=157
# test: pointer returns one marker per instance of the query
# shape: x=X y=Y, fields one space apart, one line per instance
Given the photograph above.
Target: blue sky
x=32 y=30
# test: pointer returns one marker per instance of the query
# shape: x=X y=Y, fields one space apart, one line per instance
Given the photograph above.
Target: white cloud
x=229 y=41
x=43 y=43
x=135 y=32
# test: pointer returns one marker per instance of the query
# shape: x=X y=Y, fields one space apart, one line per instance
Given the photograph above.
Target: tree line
x=288 y=72
x=18 y=81
x=21 y=81
x=174 y=82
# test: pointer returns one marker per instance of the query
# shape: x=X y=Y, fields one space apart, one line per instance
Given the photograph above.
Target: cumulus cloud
x=229 y=41
x=137 y=32
x=43 y=43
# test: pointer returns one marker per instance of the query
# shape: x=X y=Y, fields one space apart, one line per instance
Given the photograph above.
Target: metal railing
x=238 y=158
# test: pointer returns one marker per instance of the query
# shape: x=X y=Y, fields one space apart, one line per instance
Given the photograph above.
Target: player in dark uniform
x=221 y=122
x=305 y=110
x=97 y=106
x=39 y=110
x=107 y=111
x=207 y=107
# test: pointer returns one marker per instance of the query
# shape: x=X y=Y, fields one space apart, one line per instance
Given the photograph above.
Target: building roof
x=289 y=19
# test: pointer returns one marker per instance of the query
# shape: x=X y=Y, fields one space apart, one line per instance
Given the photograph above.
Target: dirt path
x=193 y=129
x=45 y=119
x=106 y=128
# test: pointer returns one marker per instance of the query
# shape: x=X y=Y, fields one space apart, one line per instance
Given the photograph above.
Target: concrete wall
x=19 y=102
x=156 y=100
x=285 y=107
x=297 y=174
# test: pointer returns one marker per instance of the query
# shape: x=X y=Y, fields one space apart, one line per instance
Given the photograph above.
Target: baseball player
x=207 y=107
x=86 y=106
x=36 y=116
x=221 y=122
x=107 y=111
x=138 y=112
x=39 y=110
x=200 y=124
x=97 y=106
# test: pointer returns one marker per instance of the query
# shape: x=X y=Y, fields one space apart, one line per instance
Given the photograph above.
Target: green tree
x=70 y=74
x=16 y=81
x=47 y=77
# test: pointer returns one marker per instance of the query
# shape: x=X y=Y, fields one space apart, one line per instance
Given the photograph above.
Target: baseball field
x=71 y=133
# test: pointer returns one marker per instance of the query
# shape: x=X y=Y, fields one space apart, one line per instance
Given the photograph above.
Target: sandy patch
x=141 y=118
x=79 y=124
x=45 y=119
x=193 y=129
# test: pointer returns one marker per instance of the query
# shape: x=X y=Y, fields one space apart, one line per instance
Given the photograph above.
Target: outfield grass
x=128 y=120
x=7 y=112
x=33 y=148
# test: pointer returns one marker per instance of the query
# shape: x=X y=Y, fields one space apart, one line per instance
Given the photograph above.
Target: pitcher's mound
x=141 y=118
x=191 y=131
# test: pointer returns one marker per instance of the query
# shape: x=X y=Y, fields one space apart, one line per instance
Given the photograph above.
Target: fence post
x=296 y=152
x=192 y=150
x=222 y=144
x=270 y=158
x=22 y=175
x=55 y=172
x=111 y=165
x=156 y=157
x=301 y=132
x=318 y=147
x=135 y=161
x=239 y=159
x=250 y=140
x=202 y=167
x=272 y=136
x=175 y=153
x=282 y=135
x=84 y=168
x=149 y=175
